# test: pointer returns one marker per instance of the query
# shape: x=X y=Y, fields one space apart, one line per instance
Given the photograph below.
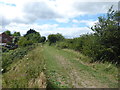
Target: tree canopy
x=8 y=32
x=53 y=38
x=108 y=30
x=42 y=39
x=33 y=36
x=16 y=34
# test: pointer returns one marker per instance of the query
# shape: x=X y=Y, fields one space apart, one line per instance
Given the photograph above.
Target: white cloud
x=23 y=16
x=47 y=29
x=24 y=27
x=28 y=11
x=94 y=7
x=68 y=32
x=62 y=20
x=74 y=31
x=87 y=22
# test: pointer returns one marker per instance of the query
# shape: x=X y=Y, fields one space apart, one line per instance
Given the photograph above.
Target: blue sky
x=93 y=17
x=9 y=4
x=71 y=18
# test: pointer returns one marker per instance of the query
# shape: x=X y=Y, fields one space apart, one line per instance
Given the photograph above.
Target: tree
x=23 y=42
x=59 y=37
x=15 y=39
x=33 y=36
x=42 y=39
x=31 y=31
x=8 y=32
x=53 y=38
x=108 y=30
x=16 y=34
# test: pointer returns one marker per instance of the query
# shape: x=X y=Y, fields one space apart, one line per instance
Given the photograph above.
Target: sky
x=71 y=18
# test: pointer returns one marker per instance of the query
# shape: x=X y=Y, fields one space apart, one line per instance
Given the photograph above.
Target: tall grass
x=26 y=72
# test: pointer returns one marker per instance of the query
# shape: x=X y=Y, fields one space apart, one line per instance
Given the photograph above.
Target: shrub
x=23 y=42
x=12 y=55
x=53 y=38
x=33 y=36
x=104 y=44
x=62 y=45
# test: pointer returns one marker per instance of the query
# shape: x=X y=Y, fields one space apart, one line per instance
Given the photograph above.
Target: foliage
x=26 y=72
x=30 y=38
x=42 y=39
x=8 y=32
x=23 y=42
x=4 y=49
x=33 y=36
x=9 y=57
x=15 y=39
x=103 y=44
x=30 y=32
x=75 y=43
x=53 y=38
x=108 y=30
x=16 y=34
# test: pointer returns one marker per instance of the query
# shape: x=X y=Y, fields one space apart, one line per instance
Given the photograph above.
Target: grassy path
x=63 y=68
x=66 y=68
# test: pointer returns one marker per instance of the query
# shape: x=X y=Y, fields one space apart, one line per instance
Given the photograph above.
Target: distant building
x=4 y=39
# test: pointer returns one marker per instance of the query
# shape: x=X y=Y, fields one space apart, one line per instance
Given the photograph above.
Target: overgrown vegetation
x=53 y=38
x=103 y=44
x=24 y=62
x=65 y=67
x=25 y=43
x=26 y=72
x=30 y=38
x=33 y=36
x=13 y=55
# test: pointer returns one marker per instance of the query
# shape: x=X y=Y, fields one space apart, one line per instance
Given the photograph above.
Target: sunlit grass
x=20 y=73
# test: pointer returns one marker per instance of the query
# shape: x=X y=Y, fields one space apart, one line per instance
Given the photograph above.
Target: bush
x=33 y=36
x=4 y=49
x=104 y=44
x=12 y=55
x=108 y=30
x=53 y=38
x=42 y=39
x=23 y=42
x=62 y=45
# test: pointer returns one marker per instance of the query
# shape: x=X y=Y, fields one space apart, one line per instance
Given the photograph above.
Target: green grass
x=62 y=68
x=25 y=71
x=53 y=68
x=106 y=73
x=103 y=73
